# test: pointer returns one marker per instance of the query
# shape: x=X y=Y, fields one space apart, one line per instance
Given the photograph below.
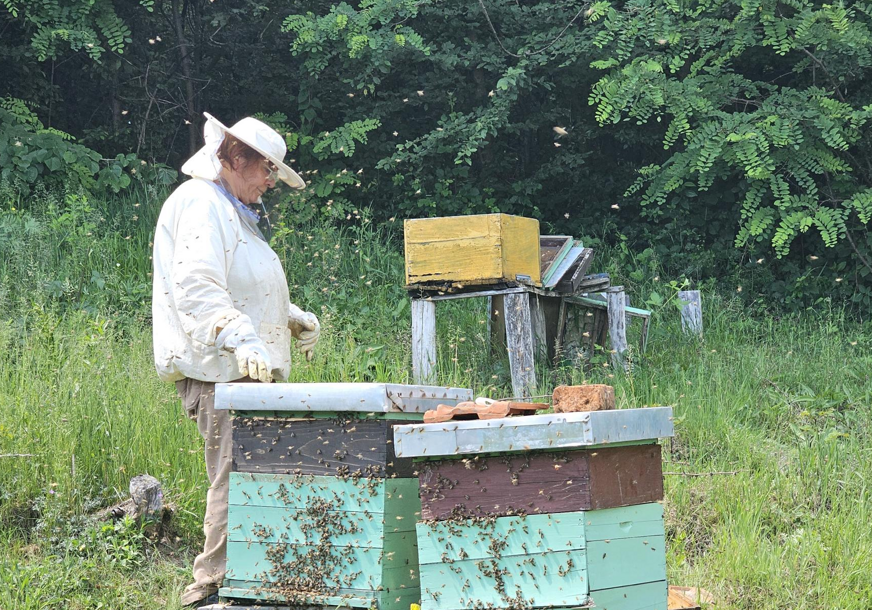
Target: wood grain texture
x=519 y=343
x=572 y=278
x=338 y=447
x=534 y=483
x=478 y=249
x=314 y=537
x=423 y=341
x=546 y=560
x=617 y=326
x=691 y=312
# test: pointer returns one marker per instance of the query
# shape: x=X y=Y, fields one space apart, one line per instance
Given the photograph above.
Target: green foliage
x=80 y=25
x=750 y=94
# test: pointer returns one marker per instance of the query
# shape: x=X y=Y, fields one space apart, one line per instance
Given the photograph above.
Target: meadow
x=768 y=478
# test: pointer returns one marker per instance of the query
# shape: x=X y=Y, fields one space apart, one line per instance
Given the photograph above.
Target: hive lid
x=365 y=397
x=533 y=432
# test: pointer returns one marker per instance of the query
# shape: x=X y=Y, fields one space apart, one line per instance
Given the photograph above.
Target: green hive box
x=506 y=511
x=321 y=510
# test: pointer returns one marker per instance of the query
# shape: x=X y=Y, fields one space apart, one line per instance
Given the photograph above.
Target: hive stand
x=541 y=512
x=538 y=326
x=321 y=510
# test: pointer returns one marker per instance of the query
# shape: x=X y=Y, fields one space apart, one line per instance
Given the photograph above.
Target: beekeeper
x=221 y=307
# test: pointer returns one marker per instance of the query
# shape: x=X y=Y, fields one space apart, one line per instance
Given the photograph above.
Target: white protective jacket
x=210 y=268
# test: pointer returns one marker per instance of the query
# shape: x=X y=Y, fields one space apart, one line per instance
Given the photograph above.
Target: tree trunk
x=191 y=114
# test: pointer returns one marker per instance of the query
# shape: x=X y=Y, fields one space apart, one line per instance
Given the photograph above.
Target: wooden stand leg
x=423 y=341
x=617 y=325
x=519 y=341
x=537 y=319
x=691 y=314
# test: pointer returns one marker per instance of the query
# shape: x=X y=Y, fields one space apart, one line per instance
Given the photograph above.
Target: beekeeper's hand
x=305 y=328
x=252 y=357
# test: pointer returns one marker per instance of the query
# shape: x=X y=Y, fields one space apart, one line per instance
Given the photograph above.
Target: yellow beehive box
x=472 y=250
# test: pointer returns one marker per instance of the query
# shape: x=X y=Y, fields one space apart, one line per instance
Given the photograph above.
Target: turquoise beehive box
x=322 y=511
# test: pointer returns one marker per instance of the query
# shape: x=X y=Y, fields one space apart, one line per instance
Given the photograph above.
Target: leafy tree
x=769 y=98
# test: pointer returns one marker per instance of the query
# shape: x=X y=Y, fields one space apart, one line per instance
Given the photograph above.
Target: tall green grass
x=771 y=412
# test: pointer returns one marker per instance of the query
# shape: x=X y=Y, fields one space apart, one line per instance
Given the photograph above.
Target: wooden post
x=519 y=341
x=537 y=319
x=423 y=341
x=691 y=313
x=617 y=326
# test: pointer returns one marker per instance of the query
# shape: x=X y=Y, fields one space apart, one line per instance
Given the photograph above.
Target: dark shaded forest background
x=723 y=141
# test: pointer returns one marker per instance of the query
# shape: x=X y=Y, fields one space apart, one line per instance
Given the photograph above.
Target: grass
x=773 y=413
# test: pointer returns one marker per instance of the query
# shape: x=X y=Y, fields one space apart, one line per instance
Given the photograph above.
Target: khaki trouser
x=198 y=398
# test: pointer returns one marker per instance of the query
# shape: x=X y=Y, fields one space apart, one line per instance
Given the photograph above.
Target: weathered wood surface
x=423 y=341
x=254 y=589
x=691 y=313
x=552 y=250
x=357 y=397
x=617 y=326
x=448 y=541
x=337 y=447
x=573 y=277
x=314 y=537
x=539 y=331
x=478 y=249
x=558 y=272
x=647 y=596
x=533 y=432
x=519 y=343
x=543 y=580
x=546 y=560
x=541 y=483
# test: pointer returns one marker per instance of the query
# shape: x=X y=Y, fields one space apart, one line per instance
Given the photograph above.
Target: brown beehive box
x=472 y=250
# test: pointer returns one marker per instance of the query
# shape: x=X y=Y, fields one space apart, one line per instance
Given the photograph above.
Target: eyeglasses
x=273 y=171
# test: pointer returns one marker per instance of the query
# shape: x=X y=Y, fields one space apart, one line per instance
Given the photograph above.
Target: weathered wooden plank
x=400 y=599
x=552 y=250
x=648 y=596
x=621 y=562
x=337 y=447
x=473 y=539
x=277 y=524
x=558 y=272
x=254 y=589
x=572 y=278
x=617 y=326
x=622 y=476
x=504 y=485
x=533 y=483
x=541 y=580
x=334 y=493
x=423 y=341
x=519 y=342
x=537 y=321
x=691 y=312
x=627 y=521
x=552 y=431
x=361 y=397
x=324 y=567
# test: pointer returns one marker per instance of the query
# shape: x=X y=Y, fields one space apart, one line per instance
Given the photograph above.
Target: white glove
x=305 y=328
x=252 y=357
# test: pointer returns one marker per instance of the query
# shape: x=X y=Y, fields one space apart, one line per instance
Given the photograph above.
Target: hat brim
x=286 y=174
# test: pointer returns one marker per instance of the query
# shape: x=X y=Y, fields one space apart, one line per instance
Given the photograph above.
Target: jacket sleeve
x=205 y=242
